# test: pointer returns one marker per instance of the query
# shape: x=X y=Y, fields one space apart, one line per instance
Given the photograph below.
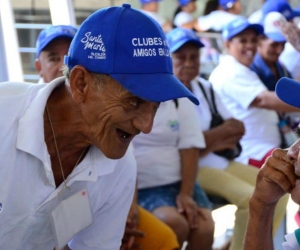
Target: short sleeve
x=190 y=133
x=244 y=88
x=240 y=84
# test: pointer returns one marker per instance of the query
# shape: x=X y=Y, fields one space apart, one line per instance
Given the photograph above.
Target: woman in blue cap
x=245 y=95
x=184 y=12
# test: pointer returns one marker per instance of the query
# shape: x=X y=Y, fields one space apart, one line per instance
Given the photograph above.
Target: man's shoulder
x=11 y=89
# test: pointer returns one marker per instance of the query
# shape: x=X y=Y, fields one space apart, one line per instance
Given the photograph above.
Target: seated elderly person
x=67 y=177
x=243 y=93
x=219 y=174
x=167 y=161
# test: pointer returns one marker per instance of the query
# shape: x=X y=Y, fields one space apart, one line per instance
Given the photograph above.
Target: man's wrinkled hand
x=276 y=178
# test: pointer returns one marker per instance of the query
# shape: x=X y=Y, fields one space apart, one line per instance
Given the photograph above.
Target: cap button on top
x=126 y=5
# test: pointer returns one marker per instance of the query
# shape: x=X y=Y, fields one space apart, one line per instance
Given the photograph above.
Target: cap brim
x=50 y=39
x=296 y=13
x=276 y=36
x=184 y=41
x=258 y=28
x=158 y=87
x=288 y=91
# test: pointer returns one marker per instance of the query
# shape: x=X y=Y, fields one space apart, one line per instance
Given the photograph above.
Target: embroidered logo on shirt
x=174 y=125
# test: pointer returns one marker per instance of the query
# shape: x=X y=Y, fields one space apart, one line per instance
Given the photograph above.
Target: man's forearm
x=259 y=229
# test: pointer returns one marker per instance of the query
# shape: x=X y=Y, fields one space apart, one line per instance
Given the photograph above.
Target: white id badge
x=71 y=216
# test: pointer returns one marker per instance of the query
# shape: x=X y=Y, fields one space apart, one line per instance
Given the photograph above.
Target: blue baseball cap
x=238 y=25
x=288 y=91
x=148 y=1
x=137 y=56
x=227 y=4
x=180 y=36
x=272 y=23
x=281 y=6
x=51 y=33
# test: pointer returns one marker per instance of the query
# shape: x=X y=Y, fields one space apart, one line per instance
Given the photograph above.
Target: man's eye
x=54 y=59
x=134 y=103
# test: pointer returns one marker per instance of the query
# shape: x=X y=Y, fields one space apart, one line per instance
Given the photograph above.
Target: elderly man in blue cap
x=67 y=175
x=52 y=45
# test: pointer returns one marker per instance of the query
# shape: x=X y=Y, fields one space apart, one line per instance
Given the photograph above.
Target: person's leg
x=236 y=189
x=202 y=237
x=199 y=238
x=158 y=236
x=175 y=220
x=161 y=201
x=206 y=224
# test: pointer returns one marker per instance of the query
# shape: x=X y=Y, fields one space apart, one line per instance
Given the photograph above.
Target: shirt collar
x=31 y=139
x=265 y=73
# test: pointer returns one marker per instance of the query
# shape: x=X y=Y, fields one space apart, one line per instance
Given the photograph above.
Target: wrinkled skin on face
x=186 y=63
x=51 y=59
x=243 y=46
x=113 y=115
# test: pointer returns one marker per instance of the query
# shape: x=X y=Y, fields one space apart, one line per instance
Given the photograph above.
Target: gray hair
x=99 y=79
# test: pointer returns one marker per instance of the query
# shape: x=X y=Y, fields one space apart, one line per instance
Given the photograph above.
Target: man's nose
x=144 y=121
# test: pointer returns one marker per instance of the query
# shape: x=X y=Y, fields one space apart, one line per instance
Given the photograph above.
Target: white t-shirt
x=290 y=58
x=182 y=18
x=216 y=20
x=28 y=193
x=256 y=17
x=157 y=153
x=238 y=86
x=210 y=160
x=161 y=21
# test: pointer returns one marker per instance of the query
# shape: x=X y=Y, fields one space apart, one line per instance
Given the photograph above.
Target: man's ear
x=79 y=83
x=38 y=67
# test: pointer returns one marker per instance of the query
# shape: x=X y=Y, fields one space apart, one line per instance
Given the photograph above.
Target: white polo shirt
x=210 y=160
x=256 y=17
x=157 y=153
x=237 y=87
x=216 y=20
x=28 y=193
x=182 y=18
